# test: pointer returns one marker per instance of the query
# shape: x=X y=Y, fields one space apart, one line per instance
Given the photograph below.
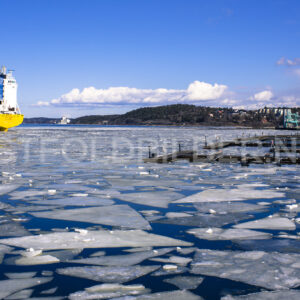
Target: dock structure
x=278 y=145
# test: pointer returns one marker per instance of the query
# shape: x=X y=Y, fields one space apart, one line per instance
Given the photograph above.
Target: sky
x=73 y=58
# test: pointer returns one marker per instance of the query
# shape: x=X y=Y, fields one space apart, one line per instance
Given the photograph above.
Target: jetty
x=279 y=149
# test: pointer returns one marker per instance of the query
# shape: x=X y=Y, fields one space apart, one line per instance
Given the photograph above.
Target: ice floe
x=108 y=291
x=122 y=260
x=266 y=295
x=173 y=295
x=228 y=234
x=114 y=215
x=236 y=194
x=273 y=223
x=185 y=282
x=10 y=286
x=156 y=199
x=272 y=270
x=108 y=274
x=93 y=239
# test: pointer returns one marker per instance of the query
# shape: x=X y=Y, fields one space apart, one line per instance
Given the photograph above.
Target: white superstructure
x=8 y=93
x=64 y=121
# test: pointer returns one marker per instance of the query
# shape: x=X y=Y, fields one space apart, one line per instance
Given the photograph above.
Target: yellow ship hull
x=10 y=120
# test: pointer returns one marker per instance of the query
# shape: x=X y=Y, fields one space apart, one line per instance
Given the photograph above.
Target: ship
x=64 y=121
x=10 y=114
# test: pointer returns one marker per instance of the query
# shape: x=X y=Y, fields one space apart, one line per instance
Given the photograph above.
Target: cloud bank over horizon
x=197 y=92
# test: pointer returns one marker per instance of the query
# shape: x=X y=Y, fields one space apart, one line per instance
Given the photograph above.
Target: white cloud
x=263 y=96
x=196 y=91
x=288 y=62
x=42 y=103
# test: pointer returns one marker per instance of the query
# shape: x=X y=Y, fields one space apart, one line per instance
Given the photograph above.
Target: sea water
x=83 y=217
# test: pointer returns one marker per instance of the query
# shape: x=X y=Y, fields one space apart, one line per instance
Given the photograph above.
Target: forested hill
x=184 y=114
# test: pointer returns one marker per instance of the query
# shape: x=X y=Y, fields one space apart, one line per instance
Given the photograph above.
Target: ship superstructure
x=10 y=115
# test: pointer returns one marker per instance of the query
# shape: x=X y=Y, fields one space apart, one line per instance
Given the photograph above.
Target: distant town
x=189 y=115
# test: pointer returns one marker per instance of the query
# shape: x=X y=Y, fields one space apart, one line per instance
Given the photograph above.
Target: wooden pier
x=279 y=144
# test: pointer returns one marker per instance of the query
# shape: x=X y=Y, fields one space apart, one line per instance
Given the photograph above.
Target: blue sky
x=109 y=56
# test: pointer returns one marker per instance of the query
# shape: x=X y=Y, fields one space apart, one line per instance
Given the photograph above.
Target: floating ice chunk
x=280 y=245
x=108 y=291
x=7 y=188
x=274 y=223
x=11 y=228
x=65 y=255
x=77 y=201
x=156 y=199
x=266 y=295
x=227 y=207
x=174 y=295
x=26 y=194
x=49 y=291
x=115 y=215
x=10 y=286
x=170 y=269
x=186 y=250
x=206 y=220
x=123 y=260
x=34 y=260
x=21 y=275
x=140 y=249
x=51 y=192
x=228 y=234
x=179 y=260
x=24 y=294
x=269 y=270
x=98 y=253
x=108 y=274
x=236 y=194
x=171 y=215
x=93 y=239
x=185 y=282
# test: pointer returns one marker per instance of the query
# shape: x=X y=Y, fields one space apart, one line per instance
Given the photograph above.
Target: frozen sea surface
x=82 y=217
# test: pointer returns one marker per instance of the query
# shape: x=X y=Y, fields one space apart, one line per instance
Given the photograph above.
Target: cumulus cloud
x=196 y=91
x=263 y=96
x=205 y=91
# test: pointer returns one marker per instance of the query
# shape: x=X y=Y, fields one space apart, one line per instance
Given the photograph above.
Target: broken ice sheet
x=236 y=194
x=174 y=295
x=10 y=286
x=178 y=260
x=185 y=282
x=93 y=239
x=156 y=199
x=228 y=234
x=7 y=188
x=21 y=275
x=227 y=207
x=266 y=295
x=108 y=291
x=272 y=223
x=273 y=270
x=115 y=215
x=123 y=260
x=77 y=201
x=280 y=245
x=108 y=274
x=24 y=294
x=205 y=220
x=31 y=261
x=11 y=228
